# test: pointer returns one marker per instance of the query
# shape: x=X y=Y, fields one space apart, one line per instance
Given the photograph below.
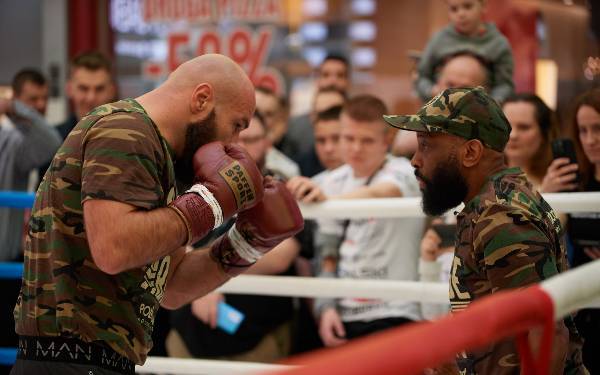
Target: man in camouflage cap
x=107 y=238
x=507 y=235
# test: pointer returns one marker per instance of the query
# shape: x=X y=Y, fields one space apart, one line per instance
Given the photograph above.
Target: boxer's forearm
x=196 y=275
x=123 y=238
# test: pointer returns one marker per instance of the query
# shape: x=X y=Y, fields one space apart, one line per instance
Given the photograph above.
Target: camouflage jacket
x=508 y=237
x=116 y=153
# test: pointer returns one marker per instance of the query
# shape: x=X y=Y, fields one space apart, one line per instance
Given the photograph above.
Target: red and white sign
x=247 y=48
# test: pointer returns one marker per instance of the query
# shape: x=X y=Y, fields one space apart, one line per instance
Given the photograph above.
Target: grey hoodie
x=26 y=142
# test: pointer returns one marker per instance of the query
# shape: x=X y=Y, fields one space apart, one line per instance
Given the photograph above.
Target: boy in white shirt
x=373 y=248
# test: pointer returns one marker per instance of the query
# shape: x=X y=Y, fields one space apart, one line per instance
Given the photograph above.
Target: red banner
x=212 y=10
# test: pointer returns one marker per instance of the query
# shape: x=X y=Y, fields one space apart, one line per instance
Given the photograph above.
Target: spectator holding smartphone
x=583 y=227
x=586 y=129
x=534 y=127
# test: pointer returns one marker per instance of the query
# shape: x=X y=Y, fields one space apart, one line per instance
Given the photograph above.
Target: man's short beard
x=197 y=134
x=446 y=189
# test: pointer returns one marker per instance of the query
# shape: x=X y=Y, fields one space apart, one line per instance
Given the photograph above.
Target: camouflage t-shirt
x=115 y=153
x=508 y=237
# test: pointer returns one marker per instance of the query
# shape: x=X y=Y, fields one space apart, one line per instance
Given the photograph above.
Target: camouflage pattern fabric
x=468 y=113
x=114 y=153
x=507 y=237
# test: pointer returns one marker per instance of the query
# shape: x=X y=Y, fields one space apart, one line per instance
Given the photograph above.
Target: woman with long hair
x=583 y=227
x=534 y=127
x=585 y=131
x=586 y=134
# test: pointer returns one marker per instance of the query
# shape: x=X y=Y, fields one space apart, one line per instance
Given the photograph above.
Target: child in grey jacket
x=467 y=33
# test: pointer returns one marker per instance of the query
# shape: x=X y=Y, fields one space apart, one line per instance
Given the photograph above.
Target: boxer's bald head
x=205 y=99
x=227 y=81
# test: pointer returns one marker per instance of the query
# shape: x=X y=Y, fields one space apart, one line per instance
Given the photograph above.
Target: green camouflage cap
x=469 y=113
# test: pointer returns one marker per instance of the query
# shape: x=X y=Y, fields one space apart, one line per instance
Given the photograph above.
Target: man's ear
x=202 y=101
x=472 y=152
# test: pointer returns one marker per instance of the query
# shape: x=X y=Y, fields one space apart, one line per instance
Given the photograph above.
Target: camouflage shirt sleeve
x=123 y=161
x=512 y=248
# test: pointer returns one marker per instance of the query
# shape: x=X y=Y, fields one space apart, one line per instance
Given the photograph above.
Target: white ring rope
x=575 y=289
x=181 y=366
x=337 y=288
x=294 y=286
x=411 y=207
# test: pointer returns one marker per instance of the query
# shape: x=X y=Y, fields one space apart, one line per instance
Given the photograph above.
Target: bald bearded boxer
x=106 y=239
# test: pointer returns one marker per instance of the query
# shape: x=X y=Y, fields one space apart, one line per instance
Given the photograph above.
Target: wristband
x=242 y=247
x=212 y=202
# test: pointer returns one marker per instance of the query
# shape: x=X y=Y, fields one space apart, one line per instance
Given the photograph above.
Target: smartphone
x=447 y=233
x=229 y=318
x=565 y=148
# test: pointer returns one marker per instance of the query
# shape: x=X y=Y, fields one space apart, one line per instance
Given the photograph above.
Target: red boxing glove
x=226 y=181
x=259 y=229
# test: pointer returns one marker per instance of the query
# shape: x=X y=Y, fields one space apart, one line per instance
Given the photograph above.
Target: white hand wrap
x=209 y=198
x=242 y=247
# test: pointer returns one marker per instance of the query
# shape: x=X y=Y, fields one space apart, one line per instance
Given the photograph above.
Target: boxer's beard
x=197 y=134
x=446 y=189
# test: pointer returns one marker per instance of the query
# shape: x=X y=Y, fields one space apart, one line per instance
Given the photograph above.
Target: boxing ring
x=501 y=315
